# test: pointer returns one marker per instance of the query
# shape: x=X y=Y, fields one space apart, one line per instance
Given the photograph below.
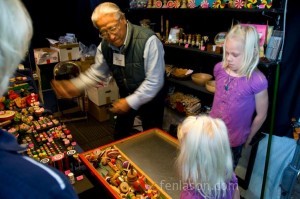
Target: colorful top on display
x=219 y=4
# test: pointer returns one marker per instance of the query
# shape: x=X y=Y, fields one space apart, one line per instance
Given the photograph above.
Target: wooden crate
x=151 y=154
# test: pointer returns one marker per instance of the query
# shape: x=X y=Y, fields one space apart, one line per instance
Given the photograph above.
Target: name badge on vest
x=119 y=59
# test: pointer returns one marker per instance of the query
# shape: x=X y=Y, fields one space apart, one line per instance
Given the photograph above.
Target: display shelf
x=216 y=20
x=209 y=19
x=191 y=49
x=262 y=63
x=207 y=10
x=189 y=84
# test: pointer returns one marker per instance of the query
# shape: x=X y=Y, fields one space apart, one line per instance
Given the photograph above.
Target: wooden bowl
x=211 y=86
x=6 y=115
x=201 y=78
x=179 y=72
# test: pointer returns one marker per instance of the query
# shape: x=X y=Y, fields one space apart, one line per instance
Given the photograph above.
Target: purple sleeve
x=187 y=193
x=233 y=184
x=217 y=69
x=234 y=179
x=258 y=82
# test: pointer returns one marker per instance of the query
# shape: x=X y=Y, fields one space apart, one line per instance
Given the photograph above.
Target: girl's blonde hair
x=204 y=160
x=106 y=8
x=250 y=38
x=15 y=36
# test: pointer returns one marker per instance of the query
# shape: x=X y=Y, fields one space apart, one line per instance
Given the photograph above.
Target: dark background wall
x=288 y=105
x=54 y=18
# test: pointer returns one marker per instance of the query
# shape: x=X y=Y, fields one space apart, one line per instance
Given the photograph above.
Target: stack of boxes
x=100 y=99
x=46 y=59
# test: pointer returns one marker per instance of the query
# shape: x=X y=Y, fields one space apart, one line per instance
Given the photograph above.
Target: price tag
x=78 y=178
x=67 y=172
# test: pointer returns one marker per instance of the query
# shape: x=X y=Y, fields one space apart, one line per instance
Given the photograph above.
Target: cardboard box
x=104 y=95
x=67 y=51
x=45 y=56
x=100 y=113
x=86 y=63
x=45 y=75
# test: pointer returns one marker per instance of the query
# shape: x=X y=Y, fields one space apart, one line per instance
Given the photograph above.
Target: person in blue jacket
x=21 y=176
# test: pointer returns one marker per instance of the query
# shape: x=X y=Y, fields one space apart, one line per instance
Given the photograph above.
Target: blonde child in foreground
x=205 y=160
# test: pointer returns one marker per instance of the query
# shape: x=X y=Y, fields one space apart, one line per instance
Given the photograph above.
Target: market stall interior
x=186 y=25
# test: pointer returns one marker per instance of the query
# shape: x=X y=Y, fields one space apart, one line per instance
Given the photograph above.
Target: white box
x=100 y=113
x=104 y=95
x=67 y=51
x=45 y=56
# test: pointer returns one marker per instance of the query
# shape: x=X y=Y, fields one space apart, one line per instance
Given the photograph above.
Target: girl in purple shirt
x=204 y=161
x=241 y=97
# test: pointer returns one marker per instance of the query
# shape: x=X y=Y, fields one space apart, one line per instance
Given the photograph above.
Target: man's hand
x=120 y=106
x=65 y=89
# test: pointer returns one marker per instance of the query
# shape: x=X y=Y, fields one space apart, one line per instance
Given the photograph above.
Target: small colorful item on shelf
x=230 y=4
x=36 y=125
x=149 y=4
x=239 y=4
x=21 y=78
x=12 y=95
x=13 y=131
x=27 y=119
x=181 y=73
x=20 y=102
x=191 y=4
x=39 y=111
x=138 y=3
x=2 y=105
x=158 y=4
x=24 y=128
x=251 y=4
x=10 y=104
x=18 y=87
x=170 y=4
x=218 y=4
x=17 y=117
x=177 y=3
x=48 y=122
x=31 y=99
x=184 y=4
x=164 y=5
x=66 y=131
x=58 y=161
x=265 y=4
x=204 y=4
x=55 y=121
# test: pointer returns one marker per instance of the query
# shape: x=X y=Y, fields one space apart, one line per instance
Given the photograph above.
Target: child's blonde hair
x=204 y=160
x=250 y=38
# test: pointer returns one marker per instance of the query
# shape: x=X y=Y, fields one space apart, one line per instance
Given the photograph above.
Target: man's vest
x=130 y=77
